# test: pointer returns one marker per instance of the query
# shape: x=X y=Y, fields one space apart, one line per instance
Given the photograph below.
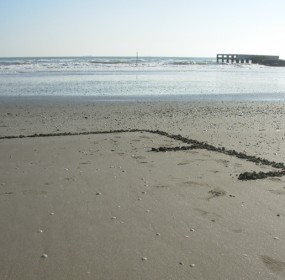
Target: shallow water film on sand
x=140 y=77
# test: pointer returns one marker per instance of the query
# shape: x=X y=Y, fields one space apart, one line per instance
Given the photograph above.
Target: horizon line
x=67 y=56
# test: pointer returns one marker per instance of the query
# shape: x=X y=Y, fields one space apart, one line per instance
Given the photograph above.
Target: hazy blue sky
x=151 y=27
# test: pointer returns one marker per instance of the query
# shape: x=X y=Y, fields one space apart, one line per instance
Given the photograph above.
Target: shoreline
x=242 y=126
x=211 y=98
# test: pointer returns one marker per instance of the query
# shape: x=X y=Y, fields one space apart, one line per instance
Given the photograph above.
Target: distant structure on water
x=268 y=60
x=137 y=59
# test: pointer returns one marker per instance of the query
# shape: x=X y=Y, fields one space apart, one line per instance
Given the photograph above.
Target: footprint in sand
x=274 y=179
x=184 y=162
x=274 y=265
x=138 y=157
x=194 y=184
x=208 y=215
x=224 y=162
x=277 y=192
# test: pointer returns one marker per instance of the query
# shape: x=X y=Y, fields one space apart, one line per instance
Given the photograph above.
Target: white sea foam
x=100 y=64
x=129 y=76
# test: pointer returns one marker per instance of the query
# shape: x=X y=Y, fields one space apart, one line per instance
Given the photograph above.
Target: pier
x=248 y=58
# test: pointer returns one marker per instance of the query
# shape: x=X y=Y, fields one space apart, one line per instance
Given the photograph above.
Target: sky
x=182 y=28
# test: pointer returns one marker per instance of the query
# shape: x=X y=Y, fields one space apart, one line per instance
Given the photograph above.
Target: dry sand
x=105 y=206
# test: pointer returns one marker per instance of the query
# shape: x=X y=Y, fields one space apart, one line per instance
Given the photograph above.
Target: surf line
x=194 y=144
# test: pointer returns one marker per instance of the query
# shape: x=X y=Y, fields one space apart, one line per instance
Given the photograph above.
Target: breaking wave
x=105 y=64
x=11 y=63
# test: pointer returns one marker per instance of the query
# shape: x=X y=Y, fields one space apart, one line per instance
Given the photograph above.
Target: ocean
x=121 y=78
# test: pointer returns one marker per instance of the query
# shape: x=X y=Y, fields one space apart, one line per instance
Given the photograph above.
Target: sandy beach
x=109 y=206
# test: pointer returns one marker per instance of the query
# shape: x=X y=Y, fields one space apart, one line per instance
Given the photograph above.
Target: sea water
x=139 y=78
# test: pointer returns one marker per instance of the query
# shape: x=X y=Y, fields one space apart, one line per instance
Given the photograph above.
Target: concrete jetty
x=268 y=60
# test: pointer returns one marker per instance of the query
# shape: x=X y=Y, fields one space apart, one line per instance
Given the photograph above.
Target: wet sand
x=107 y=206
